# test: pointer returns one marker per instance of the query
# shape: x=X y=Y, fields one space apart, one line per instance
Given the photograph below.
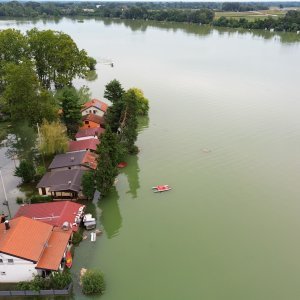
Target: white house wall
x=19 y=270
x=93 y=110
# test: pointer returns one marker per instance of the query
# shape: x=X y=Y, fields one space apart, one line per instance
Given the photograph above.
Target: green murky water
x=224 y=132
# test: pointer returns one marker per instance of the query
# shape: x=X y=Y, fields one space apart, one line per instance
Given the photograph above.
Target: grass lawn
x=251 y=15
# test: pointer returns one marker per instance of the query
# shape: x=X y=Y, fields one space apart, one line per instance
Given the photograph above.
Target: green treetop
x=71 y=107
x=107 y=170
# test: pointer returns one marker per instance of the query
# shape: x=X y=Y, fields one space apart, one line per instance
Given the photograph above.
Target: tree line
x=186 y=13
x=189 y=12
x=290 y=22
x=236 y=6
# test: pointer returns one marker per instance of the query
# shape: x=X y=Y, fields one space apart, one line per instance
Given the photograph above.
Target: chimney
x=72 y=158
x=69 y=182
x=6 y=225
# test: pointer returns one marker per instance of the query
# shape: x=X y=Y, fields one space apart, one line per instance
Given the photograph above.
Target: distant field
x=251 y=15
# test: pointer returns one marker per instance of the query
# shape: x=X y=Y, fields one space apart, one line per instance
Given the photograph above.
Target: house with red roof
x=92 y=121
x=87 y=144
x=29 y=247
x=95 y=106
x=89 y=133
x=59 y=214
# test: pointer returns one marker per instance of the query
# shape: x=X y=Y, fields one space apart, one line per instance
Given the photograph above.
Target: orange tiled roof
x=54 y=251
x=26 y=238
x=90 y=160
x=96 y=103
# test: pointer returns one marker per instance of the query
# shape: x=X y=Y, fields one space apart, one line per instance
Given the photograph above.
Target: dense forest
x=189 y=12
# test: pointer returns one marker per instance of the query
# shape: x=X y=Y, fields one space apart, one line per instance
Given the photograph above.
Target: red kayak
x=122 y=164
x=69 y=260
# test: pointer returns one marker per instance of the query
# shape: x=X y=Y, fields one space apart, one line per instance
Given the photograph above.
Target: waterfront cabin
x=92 y=121
x=59 y=214
x=95 y=107
x=87 y=144
x=62 y=184
x=30 y=247
x=89 y=133
x=84 y=160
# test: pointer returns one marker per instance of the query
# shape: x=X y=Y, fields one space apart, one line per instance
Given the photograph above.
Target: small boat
x=161 y=188
x=93 y=236
x=69 y=260
x=122 y=164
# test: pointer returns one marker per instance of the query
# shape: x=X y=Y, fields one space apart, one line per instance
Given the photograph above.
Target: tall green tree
x=142 y=101
x=53 y=138
x=13 y=49
x=114 y=93
x=24 y=98
x=107 y=170
x=88 y=184
x=25 y=171
x=20 y=89
x=129 y=122
x=71 y=107
x=57 y=58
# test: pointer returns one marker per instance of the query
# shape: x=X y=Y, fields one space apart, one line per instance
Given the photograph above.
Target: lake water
x=224 y=132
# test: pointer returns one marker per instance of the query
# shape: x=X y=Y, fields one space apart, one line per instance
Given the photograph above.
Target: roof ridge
x=46 y=243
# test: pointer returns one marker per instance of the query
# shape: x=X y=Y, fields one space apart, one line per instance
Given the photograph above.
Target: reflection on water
x=204 y=30
x=143 y=26
x=143 y=123
x=132 y=173
x=21 y=142
x=111 y=218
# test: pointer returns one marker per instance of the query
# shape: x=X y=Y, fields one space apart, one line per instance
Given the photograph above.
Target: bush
x=40 y=199
x=40 y=172
x=25 y=171
x=20 y=200
x=23 y=285
x=92 y=283
x=56 y=281
x=77 y=238
x=59 y=280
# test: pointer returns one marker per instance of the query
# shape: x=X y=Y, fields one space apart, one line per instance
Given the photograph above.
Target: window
x=1 y=261
x=86 y=122
x=95 y=112
x=10 y=261
x=3 y=273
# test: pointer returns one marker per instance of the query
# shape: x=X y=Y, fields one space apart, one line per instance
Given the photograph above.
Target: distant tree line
x=189 y=12
x=290 y=22
x=236 y=6
x=115 y=10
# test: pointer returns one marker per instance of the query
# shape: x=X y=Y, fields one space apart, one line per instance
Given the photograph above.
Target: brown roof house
x=62 y=184
x=30 y=247
x=84 y=160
